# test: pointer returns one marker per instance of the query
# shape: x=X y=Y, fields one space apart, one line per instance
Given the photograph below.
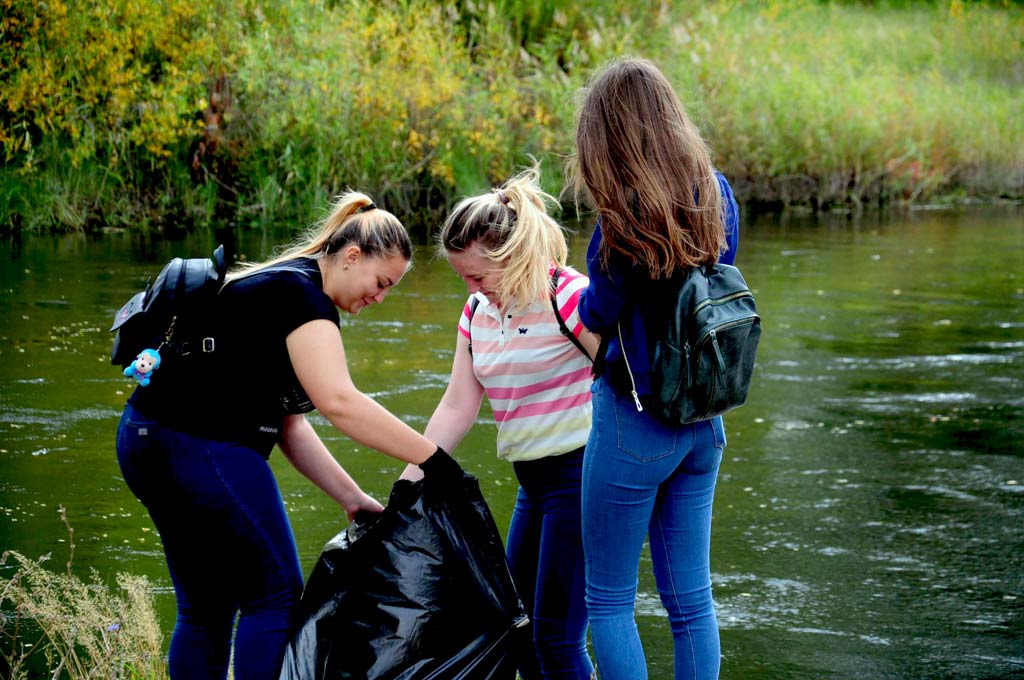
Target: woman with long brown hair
x=662 y=208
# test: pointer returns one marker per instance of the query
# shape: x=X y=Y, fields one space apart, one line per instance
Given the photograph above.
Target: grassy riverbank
x=54 y=624
x=167 y=113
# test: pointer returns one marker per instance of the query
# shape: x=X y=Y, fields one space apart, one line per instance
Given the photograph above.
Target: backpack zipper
x=722 y=300
x=632 y=382
x=720 y=360
x=725 y=326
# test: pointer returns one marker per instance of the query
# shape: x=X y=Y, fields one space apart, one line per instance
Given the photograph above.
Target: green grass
x=54 y=624
x=824 y=103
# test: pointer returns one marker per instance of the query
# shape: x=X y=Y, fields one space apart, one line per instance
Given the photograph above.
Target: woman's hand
x=307 y=453
x=361 y=502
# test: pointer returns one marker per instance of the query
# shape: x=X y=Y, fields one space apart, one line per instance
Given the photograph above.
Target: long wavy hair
x=647 y=171
x=515 y=231
x=353 y=219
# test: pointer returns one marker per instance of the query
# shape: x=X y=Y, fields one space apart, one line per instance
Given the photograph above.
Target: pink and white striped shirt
x=538 y=382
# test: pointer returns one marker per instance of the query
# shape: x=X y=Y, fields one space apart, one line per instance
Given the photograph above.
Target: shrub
x=73 y=628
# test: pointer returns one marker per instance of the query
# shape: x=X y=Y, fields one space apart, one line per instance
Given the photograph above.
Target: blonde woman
x=510 y=346
x=194 y=447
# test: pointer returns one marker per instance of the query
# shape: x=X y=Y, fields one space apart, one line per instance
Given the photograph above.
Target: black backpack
x=703 y=361
x=702 y=365
x=172 y=314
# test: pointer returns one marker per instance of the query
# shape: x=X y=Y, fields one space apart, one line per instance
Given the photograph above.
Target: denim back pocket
x=134 y=425
x=641 y=435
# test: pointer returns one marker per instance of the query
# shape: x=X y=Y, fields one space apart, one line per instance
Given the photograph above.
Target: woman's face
x=360 y=281
x=477 y=270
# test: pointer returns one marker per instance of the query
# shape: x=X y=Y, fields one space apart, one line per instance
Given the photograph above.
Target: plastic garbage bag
x=420 y=591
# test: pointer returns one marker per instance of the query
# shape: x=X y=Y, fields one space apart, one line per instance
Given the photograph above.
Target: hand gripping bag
x=421 y=591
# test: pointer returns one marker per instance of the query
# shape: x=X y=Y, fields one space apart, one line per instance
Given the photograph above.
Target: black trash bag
x=421 y=591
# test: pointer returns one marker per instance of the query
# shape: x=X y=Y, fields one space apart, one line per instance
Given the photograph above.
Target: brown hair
x=647 y=171
x=513 y=228
x=353 y=219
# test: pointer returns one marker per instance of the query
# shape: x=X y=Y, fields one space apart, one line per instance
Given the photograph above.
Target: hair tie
x=365 y=208
x=502 y=197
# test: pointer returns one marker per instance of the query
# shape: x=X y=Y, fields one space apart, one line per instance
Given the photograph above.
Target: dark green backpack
x=702 y=363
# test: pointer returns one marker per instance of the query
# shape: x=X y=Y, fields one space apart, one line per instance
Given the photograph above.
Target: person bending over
x=193 y=444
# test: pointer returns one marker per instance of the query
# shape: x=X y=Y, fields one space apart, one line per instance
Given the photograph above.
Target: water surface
x=869 y=520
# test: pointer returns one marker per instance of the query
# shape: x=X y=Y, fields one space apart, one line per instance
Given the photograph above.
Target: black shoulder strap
x=473 y=304
x=561 y=322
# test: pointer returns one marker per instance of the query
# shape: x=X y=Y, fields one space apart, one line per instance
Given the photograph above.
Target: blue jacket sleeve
x=602 y=301
x=732 y=220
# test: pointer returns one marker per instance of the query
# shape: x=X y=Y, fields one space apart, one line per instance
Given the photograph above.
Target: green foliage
x=129 y=112
x=75 y=629
x=815 y=102
x=108 y=79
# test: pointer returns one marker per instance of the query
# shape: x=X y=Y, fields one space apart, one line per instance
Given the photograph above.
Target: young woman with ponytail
x=509 y=346
x=194 y=448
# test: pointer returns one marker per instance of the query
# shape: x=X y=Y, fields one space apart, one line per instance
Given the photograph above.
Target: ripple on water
x=796 y=378
x=871 y=639
x=921 y=362
x=898 y=561
x=747 y=602
x=769 y=602
x=887 y=400
x=649 y=604
x=57 y=420
x=945 y=491
x=831 y=551
x=787 y=425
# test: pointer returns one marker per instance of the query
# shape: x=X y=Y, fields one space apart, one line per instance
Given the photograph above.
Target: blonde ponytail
x=513 y=228
x=353 y=219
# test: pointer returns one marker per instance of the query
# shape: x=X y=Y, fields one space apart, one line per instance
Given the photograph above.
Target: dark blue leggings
x=545 y=553
x=229 y=547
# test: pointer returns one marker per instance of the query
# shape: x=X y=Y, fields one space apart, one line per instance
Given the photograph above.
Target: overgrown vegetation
x=148 y=113
x=53 y=624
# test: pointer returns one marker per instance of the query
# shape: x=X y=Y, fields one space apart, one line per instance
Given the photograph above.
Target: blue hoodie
x=617 y=294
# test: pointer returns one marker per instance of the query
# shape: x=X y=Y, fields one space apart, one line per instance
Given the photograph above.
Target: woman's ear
x=351 y=255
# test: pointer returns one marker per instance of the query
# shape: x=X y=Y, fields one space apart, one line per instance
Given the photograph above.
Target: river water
x=869 y=520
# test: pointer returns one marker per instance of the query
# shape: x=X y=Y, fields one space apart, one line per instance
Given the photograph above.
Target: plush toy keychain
x=142 y=368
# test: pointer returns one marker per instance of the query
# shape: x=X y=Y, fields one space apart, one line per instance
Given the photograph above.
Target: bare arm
x=318 y=358
x=306 y=452
x=457 y=409
x=591 y=342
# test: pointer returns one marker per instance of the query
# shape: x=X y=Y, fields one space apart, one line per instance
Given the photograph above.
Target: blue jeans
x=545 y=554
x=228 y=544
x=642 y=477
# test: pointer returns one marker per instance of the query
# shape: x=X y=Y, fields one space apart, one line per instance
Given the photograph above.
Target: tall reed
x=54 y=623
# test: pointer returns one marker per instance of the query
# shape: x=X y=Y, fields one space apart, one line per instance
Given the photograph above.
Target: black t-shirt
x=243 y=389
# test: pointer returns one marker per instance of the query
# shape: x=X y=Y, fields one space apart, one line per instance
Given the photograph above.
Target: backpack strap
x=561 y=322
x=474 y=303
